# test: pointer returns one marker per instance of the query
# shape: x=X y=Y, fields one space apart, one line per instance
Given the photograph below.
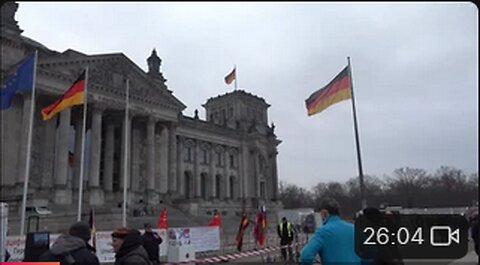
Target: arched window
x=232 y=160
x=219 y=159
x=261 y=164
x=205 y=157
x=263 y=191
x=187 y=153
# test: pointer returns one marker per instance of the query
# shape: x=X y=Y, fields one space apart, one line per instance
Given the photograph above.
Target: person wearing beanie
x=127 y=245
x=72 y=248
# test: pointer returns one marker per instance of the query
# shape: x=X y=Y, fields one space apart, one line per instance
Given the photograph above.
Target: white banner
x=103 y=244
x=179 y=236
x=202 y=238
x=16 y=247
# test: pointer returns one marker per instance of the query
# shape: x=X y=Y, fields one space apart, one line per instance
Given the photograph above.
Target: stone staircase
x=107 y=218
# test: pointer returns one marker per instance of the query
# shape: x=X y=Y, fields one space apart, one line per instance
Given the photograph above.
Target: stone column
x=158 y=156
x=245 y=172
x=172 y=158
x=96 y=194
x=63 y=195
x=181 y=170
x=151 y=192
x=164 y=180
x=48 y=150
x=196 y=172
x=77 y=156
x=22 y=153
x=108 y=158
x=135 y=157
x=274 y=176
x=226 y=188
x=255 y=179
x=210 y=189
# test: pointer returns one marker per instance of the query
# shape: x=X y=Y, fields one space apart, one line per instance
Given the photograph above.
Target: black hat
x=81 y=230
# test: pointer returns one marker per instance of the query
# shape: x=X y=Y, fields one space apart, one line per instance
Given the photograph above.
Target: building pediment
x=107 y=79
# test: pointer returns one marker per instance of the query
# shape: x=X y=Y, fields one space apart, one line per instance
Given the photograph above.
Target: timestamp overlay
x=419 y=236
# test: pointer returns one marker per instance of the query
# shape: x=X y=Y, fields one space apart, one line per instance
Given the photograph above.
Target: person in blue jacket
x=334 y=241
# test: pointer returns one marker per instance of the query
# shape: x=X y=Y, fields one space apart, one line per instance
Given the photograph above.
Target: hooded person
x=127 y=245
x=72 y=248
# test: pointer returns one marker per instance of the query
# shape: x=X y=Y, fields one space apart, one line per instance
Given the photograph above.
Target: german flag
x=231 y=76
x=241 y=230
x=337 y=90
x=73 y=96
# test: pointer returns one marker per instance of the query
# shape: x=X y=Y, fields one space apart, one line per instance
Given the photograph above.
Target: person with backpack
x=72 y=248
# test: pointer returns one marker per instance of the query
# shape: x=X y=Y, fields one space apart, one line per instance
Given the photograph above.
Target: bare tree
x=449 y=187
x=293 y=196
x=408 y=185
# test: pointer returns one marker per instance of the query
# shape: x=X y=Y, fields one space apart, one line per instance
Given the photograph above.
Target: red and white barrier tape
x=239 y=255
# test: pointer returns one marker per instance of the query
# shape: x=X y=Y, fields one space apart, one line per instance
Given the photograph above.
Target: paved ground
x=470 y=259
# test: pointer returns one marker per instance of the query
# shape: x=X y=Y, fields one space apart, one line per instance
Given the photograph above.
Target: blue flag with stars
x=20 y=80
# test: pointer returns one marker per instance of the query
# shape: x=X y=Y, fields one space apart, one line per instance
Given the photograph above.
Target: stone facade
x=227 y=160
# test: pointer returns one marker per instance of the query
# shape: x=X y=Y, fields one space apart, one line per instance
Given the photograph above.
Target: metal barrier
x=239 y=255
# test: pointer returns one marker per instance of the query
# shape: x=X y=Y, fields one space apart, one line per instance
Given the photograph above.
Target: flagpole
x=29 y=147
x=125 y=162
x=82 y=152
x=357 y=141
x=236 y=75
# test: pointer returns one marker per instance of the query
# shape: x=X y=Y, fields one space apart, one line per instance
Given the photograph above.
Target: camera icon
x=442 y=236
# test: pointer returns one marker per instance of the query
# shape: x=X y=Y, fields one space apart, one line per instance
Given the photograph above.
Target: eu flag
x=20 y=80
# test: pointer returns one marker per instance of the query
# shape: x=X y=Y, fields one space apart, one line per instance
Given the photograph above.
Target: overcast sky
x=414 y=68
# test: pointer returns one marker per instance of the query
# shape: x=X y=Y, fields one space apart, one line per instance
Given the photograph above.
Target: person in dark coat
x=383 y=256
x=151 y=241
x=127 y=245
x=72 y=248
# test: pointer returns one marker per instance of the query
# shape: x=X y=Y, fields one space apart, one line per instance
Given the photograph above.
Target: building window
x=262 y=190
x=187 y=154
x=203 y=185
x=261 y=164
x=219 y=159
x=205 y=156
x=232 y=187
x=187 y=184
x=224 y=117
x=217 y=186
x=232 y=161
